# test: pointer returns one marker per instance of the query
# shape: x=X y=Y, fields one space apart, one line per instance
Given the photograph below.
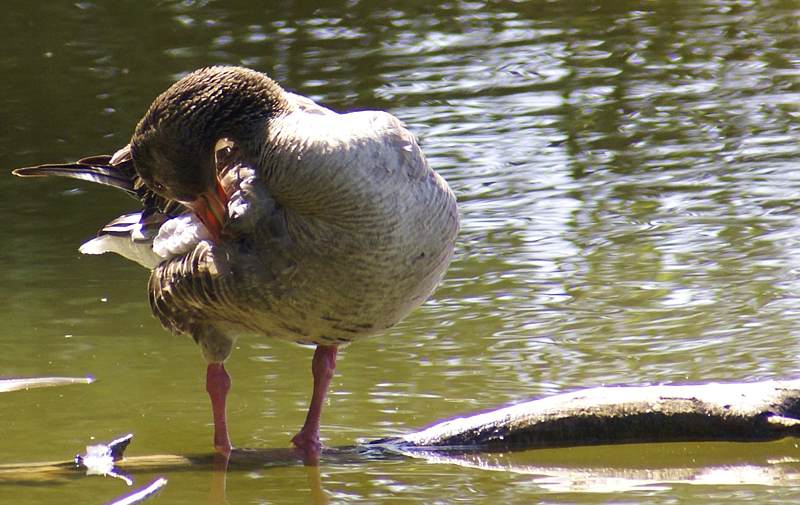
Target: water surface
x=627 y=184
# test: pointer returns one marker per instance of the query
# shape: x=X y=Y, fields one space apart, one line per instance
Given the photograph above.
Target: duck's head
x=173 y=146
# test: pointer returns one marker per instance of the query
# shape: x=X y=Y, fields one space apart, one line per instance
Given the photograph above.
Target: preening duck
x=263 y=212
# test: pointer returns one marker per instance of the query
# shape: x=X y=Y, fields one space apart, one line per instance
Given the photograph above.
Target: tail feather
x=131 y=235
x=116 y=171
x=136 y=226
x=94 y=169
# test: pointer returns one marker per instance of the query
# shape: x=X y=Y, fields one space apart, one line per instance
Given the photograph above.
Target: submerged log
x=759 y=411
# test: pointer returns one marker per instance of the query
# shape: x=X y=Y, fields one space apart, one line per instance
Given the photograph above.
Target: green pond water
x=628 y=184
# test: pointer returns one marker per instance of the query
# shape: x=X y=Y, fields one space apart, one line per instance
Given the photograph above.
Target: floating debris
x=7 y=385
x=100 y=459
x=142 y=494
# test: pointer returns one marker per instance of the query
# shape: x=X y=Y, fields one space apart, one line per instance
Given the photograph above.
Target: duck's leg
x=322 y=367
x=218 y=382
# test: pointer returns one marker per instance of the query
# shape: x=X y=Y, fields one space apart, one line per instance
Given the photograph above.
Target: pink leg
x=322 y=368
x=218 y=382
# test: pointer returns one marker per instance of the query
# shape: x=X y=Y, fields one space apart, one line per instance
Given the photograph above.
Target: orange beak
x=211 y=207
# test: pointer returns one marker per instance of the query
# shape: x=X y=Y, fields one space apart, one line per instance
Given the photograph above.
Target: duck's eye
x=157 y=186
x=223 y=150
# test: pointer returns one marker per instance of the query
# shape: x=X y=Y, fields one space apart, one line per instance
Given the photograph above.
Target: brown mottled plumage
x=334 y=225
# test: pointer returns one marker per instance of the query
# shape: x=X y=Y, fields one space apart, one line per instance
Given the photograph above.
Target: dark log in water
x=755 y=411
x=758 y=411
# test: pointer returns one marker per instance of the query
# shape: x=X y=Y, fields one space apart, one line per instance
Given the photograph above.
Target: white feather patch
x=139 y=252
x=179 y=235
x=176 y=236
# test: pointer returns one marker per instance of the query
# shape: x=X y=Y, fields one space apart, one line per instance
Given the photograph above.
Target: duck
x=265 y=213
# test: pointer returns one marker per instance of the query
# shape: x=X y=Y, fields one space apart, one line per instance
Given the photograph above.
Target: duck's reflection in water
x=219 y=479
x=249 y=459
